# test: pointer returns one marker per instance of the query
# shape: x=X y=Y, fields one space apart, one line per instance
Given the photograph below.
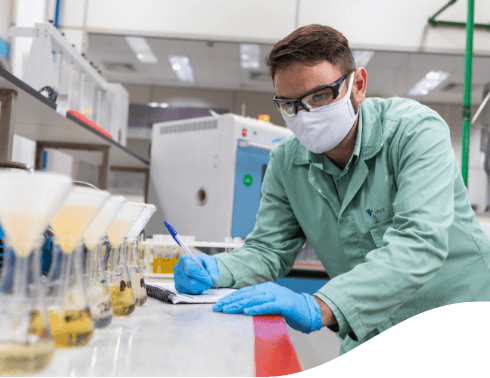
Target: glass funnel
x=118 y=275
x=134 y=262
x=98 y=292
x=27 y=205
x=67 y=299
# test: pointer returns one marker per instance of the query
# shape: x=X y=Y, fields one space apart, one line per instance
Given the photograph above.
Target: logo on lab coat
x=371 y=211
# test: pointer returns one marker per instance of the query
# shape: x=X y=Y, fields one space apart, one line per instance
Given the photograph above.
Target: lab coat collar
x=371 y=142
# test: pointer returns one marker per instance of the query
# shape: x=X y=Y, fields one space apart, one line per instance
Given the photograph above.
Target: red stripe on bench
x=274 y=351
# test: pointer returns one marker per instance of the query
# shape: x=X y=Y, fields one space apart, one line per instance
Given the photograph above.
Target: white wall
x=28 y=12
x=60 y=162
x=24 y=151
x=380 y=24
x=398 y=23
x=5 y=13
x=249 y=19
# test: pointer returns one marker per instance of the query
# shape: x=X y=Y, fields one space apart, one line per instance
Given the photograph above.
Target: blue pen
x=179 y=241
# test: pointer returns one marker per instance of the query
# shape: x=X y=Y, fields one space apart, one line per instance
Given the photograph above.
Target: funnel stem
x=102 y=267
x=66 y=273
x=78 y=272
x=19 y=296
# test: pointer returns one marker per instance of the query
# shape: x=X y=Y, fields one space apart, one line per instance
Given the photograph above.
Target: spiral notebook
x=166 y=292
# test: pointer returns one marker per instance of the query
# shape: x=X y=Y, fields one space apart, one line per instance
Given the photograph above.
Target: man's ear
x=360 y=84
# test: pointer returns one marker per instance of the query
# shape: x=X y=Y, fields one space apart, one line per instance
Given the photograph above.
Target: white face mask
x=322 y=129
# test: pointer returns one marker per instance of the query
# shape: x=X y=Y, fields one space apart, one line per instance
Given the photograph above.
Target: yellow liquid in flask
x=23 y=359
x=69 y=328
x=123 y=302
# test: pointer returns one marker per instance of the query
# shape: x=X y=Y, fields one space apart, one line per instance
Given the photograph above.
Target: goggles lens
x=287 y=108
x=321 y=97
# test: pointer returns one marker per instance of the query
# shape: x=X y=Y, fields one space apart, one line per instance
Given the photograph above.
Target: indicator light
x=264 y=117
x=244 y=132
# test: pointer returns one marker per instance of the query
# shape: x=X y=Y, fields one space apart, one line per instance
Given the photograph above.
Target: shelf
x=36 y=118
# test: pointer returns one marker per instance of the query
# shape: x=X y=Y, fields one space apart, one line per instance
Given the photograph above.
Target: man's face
x=298 y=80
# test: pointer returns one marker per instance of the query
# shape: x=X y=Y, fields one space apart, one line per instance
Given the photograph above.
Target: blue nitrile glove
x=301 y=311
x=190 y=279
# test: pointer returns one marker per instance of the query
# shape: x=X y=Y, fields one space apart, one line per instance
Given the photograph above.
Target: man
x=374 y=186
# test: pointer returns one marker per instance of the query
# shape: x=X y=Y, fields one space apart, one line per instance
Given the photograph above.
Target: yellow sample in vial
x=123 y=302
x=164 y=265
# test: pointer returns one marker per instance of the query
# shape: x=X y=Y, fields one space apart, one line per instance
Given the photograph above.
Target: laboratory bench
x=161 y=339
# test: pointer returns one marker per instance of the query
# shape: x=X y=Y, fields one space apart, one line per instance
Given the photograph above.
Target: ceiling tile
x=216 y=64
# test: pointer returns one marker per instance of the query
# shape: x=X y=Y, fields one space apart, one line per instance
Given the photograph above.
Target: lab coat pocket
x=353 y=251
x=378 y=230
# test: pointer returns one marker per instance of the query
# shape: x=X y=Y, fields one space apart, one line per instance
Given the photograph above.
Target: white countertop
x=160 y=339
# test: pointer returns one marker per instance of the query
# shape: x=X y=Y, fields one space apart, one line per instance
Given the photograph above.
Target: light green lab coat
x=395 y=231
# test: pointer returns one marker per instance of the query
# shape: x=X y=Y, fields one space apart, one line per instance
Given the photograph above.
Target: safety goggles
x=319 y=97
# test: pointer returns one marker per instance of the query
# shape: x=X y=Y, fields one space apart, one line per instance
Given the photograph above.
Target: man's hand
x=190 y=279
x=328 y=318
x=301 y=311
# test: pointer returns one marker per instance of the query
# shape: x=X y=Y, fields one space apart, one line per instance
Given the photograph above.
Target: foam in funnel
x=27 y=205
x=76 y=214
x=106 y=215
x=126 y=217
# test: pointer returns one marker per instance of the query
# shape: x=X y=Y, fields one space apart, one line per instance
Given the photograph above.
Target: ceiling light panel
x=362 y=57
x=182 y=68
x=158 y=104
x=249 y=56
x=430 y=81
x=141 y=49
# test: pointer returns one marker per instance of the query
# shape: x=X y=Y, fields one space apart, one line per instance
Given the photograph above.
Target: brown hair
x=310 y=45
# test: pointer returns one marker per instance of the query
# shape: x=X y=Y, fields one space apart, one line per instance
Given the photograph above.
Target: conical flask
x=134 y=262
x=27 y=205
x=67 y=299
x=118 y=275
x=95 y=277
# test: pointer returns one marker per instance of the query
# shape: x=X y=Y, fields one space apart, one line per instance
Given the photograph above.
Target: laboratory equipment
x=154 y=251
x=27 y=205
x=118 y=275
x=179 y=241
x=98 y=292
x=134 y=262
x=55 y=64
x=206 y=174
x=67 y=297
x=164 y=255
